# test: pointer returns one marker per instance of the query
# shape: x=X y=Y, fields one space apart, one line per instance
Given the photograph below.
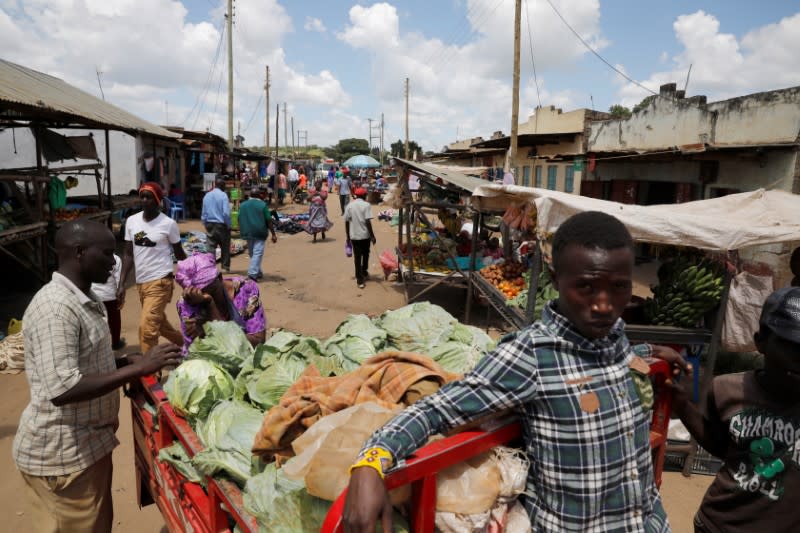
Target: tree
x=644 y=103
x=619 y=111
x=347 y=148
x=398 y=148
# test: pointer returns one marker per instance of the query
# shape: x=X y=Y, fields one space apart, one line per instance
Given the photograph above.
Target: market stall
x=701 y=250
x=434 y=206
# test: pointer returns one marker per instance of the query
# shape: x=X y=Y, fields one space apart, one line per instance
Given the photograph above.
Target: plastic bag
x=326 y=451
x=348 y=249
x=388 y=263
x=470 y=487
x=745 y=299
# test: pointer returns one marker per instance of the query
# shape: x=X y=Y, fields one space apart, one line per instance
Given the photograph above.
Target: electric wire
x=258 y=106
x=592 y=50
x=530 y=41
x=459 y=29
x=216 y=101
x=209 y=79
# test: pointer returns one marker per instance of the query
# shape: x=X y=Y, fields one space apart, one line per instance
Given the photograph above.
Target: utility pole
x=369 y=121
x=266 y=110
x=166 y=110
x=100 y=83
x=377 y=136
x=229 y=20
x=304 y=135
x=406 y=143
x=285 y=129
x=294 y=150
x=381 y=139
x=277 y=124
x=515 y=96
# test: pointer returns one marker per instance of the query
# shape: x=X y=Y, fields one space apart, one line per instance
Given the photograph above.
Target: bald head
x=80 y=233
x=220 y=184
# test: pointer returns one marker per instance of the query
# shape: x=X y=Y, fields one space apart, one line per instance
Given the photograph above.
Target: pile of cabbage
x=225 y=386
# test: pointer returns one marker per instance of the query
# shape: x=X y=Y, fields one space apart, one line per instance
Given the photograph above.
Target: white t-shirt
x=357 y=213
x=152 y=245
x=107 y=291
x=293 y=175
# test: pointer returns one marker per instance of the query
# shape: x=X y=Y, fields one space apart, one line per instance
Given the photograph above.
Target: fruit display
x=545 y=291
x=64 y=215
x=507 y=277
x=688 y=287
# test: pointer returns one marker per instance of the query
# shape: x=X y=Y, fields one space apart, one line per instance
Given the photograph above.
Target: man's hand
x=194 y=328
x=274 y=238
x=678 y=363
x=158 y=357
x=195 y=296
x=367 y=501
x=120 y=296
x=372 y=239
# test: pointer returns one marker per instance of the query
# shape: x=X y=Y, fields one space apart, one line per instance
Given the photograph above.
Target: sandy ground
x=308 y=288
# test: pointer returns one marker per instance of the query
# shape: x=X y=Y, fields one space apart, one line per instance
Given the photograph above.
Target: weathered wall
x=552 y=120
x=668 y=121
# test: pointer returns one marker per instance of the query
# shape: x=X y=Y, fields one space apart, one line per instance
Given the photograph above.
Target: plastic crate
x=462 y=262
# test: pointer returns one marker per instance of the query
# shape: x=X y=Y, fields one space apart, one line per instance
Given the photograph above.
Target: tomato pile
x=506 y=277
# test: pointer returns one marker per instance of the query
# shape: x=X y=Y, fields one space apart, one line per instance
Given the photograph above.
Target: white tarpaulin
x=732 y=222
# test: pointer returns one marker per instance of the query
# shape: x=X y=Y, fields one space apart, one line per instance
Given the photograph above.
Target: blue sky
x=337 y=63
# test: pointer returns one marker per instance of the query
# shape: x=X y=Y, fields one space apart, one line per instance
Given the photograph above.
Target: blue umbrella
x=361 y=161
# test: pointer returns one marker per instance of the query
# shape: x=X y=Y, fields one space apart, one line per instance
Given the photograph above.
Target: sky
x=338 y=63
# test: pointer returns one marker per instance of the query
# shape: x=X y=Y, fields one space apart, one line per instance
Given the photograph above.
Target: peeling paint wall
x=552 y=120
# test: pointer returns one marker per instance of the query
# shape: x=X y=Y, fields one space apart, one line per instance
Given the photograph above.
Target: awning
x=446 y=174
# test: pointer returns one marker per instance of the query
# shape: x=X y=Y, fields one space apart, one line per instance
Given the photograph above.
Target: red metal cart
x=421 y=468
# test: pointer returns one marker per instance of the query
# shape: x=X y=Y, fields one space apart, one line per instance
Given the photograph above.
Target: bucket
x=235 y=219
x=14 y=326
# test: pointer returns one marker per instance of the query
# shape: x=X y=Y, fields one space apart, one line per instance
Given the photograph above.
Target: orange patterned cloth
x=391 y=379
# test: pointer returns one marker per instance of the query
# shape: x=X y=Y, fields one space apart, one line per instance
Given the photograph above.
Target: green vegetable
x=418 y=327
x=176 y=456
x=356 y=339
x=224 y=343
x=264 y=389
x=213 y=463
x=194 y=386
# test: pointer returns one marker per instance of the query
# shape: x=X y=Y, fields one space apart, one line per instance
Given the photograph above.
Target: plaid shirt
x=66 y=337
x=590 y=471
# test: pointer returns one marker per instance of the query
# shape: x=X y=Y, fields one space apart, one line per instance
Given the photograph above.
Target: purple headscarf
x=197 y=271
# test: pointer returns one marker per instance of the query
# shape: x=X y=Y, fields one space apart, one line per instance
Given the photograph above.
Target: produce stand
x=421 y=468
x=26 y=241
x=446 y=191
x=715 y=226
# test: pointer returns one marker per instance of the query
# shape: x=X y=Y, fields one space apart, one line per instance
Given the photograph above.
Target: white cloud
x=724 y=66
x=464 y=78
x=314 y=24
x=149 y=52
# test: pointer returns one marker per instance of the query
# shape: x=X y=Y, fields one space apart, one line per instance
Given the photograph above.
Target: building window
x=569 y=179
x=498 y=174
x=526 y=176
x=538 y=177
x=552 y=174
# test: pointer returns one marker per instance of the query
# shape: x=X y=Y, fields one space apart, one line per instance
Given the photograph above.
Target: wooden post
x=405 y=147
x=512 y=156
x=266 y=110
x=533 y=286
x=476 y=224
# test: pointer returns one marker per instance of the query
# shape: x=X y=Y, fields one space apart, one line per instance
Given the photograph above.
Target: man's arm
x=270 y=225
x=175 y=241
x=226 y=211
x=709 y=431
x=346 y=228
x=127 y=265
x=180 y=253
x=96 y=385
x=257 y=338
x=371 y=233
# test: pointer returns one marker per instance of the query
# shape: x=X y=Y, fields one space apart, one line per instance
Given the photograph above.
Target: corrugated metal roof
x=453 y=177
x=30 y=91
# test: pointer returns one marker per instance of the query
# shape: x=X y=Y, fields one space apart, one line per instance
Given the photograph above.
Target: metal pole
x=294 y=151
x=285 y=128
x=266 y=118
x=229 y=18
x=405 y=147
x=381 y=139
x=515 y=91
x=277 y=126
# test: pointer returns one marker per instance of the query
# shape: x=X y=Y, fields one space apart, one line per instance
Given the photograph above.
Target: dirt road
x=308 y=288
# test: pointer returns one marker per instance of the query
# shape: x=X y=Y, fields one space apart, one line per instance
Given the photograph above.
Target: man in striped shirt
x=66 y=435
x=568 y=379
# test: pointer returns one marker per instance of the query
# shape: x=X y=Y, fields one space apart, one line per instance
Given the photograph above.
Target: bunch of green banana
x=688 y=289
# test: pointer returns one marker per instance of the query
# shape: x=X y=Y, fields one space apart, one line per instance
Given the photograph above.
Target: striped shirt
x=591 y=467
x=66 y=337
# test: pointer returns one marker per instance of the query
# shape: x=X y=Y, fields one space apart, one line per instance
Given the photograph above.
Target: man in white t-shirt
x=107 y=292
x=151 y=239
x=294 y=177
x=358 y=228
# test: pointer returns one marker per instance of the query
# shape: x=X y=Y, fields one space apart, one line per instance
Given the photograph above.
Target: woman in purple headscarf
x=208 y=296
x=318 y=221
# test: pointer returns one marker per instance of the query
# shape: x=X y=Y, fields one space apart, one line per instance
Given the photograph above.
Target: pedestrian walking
x=65 y=435
x=282 y=186
x=107 y=293
x=151 y=238
x=255 y=221
x=358 y=228
x=344 y=185
x=318 y=221
x=216 y=217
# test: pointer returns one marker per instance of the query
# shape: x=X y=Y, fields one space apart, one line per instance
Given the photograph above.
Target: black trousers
x=344 y=199
x=219 y=235
x=361 y=258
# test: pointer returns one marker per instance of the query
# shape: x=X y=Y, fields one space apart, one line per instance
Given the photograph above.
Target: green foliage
x=347 y=148
x=619 y=111
x=644 y=103
x=398 y=148
x=195 y=386
x=224 y=344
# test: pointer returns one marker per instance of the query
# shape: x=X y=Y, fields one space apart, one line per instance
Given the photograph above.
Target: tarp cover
x=731 y=222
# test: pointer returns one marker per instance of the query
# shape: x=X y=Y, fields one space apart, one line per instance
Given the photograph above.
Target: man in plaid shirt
x=568 y=378
x=65 y=436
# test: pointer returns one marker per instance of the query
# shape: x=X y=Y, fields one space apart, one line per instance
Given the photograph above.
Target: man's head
x=361 y=192
x=150 y=195
x=592 y=270
x=85 y=250
x=220 y=184
x=778 y=338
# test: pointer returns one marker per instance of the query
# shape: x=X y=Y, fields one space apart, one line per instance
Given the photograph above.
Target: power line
x=460 y=29
x=592 y=50
x=216 y=101
x=258 y=106
x=209 y=79
x=530 y=41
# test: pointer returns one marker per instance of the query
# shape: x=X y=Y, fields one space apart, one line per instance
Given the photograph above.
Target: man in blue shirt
x=216 y=218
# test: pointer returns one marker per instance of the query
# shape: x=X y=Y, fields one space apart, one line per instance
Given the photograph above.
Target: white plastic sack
x=747 y=295
x=12 y=354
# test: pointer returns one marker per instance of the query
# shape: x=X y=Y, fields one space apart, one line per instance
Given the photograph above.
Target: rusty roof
x=28 y=94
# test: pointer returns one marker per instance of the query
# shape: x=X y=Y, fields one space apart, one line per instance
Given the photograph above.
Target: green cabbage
x=176 y=456
x=265 y=388
x=356 y=339
x=232 y=464
x=418 y=327
x=195 y=385
x=224 y=343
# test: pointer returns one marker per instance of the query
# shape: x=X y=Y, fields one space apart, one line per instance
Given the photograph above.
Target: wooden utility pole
x=294 y=149
x=277 y=124
x=405 y=148
x=512 y=156
x=381 y=139
x=229 y=20
x=285 y=129
x=266 y=118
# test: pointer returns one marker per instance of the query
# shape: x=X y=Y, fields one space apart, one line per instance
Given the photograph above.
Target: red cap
x=361 y=191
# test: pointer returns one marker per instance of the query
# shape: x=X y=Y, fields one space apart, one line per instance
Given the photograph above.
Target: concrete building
x=679 y=149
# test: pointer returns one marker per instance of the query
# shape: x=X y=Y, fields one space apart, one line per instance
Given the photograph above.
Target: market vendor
x=208 y=296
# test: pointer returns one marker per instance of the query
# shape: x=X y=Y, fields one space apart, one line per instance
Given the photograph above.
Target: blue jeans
x=255 y=248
